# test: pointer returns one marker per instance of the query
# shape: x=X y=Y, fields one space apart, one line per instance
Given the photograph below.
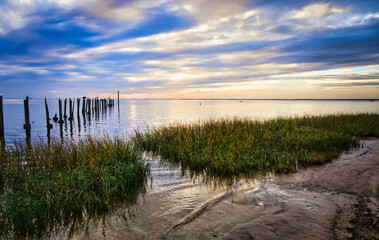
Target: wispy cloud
x=188 y=48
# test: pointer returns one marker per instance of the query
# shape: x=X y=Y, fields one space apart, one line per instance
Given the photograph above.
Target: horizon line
x=241 y=99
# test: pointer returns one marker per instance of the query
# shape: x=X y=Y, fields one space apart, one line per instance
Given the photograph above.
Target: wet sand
x=335 y=201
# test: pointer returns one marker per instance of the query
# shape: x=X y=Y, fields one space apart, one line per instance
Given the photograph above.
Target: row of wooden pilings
x=89 y=105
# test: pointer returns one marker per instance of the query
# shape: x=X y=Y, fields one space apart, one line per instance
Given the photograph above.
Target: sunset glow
x=189 y=49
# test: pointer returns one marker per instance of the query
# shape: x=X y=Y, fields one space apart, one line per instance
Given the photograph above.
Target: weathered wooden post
x=70 y=110
x=96 y=105
x=27 y=125
x=48 y=124
x=78 y=106
x=86 y=110
x=118 y=104
x=89 y=106
x=60 y=112
x=73 y=109
x=89 y=109
x=65 y=104
x=1 y=118
x=84 y=105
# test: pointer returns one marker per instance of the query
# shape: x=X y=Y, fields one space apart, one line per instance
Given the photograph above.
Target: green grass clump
x=233 y=148
x=48 y=187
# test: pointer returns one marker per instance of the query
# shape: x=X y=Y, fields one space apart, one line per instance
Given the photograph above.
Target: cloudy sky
x=190 y=48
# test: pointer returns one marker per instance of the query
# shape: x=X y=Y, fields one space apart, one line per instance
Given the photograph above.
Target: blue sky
x=189 y=48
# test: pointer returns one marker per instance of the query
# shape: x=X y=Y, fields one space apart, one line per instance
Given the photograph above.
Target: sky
x=251 y=49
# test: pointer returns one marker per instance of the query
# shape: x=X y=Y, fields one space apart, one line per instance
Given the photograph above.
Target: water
x=138 y=114
x=171 y=197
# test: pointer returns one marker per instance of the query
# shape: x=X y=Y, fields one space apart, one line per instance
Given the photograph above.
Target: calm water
x=171 y=197
x=133 y=114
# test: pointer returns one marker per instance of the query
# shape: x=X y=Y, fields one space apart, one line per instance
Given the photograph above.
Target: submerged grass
x=233 y=148
x=44 y=188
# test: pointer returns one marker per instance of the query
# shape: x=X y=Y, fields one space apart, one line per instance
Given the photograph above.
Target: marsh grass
x=225 y=150
x=49 y=187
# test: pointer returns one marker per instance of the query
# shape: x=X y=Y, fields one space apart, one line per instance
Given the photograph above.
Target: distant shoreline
x=233 y=99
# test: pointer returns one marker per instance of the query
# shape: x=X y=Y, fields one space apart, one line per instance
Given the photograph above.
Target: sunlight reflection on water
x=171 y=196
x=138 y=114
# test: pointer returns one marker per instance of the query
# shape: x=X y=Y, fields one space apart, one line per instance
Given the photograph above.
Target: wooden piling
x=27 y=125
x=86 y=108
x=84 y=105
x=89 y=106
x=70 y=110
x=48 y=124
x=60 y=111
x=78 y=105
x=96 y=105
x=1 y=118
x=65 y=104
x=118 y=98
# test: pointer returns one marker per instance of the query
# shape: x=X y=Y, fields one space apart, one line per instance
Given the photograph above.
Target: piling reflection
x=48 y=137
x=71 y=129
x=133 y=114
x=78 y=124
x=61 y=130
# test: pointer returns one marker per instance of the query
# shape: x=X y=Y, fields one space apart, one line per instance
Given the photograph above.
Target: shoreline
x=338 y=200
x=332 y=201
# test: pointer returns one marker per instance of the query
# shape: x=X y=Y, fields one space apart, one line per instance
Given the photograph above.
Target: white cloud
x=231 y=29
x=318 y=10
x=10 y=20
x=358 y=19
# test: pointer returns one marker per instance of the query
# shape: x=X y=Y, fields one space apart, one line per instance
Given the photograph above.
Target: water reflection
x=171 y=196
x=132 y=114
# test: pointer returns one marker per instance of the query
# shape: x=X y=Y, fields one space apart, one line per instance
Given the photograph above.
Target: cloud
x=318 y=10
x=350 y=45
x=179 y=48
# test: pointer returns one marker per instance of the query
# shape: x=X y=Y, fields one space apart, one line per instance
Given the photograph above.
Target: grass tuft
x=233 y=148
x=44 y=188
